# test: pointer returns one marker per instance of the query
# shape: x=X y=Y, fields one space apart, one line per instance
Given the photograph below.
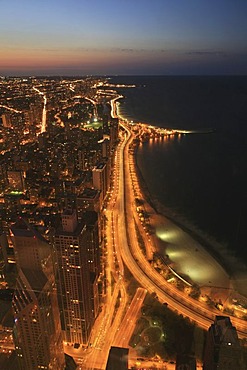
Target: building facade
x=73 y=277
x=37 y=329
x=101 y=178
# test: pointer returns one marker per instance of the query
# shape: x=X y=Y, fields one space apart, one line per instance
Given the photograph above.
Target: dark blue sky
x=123 y=37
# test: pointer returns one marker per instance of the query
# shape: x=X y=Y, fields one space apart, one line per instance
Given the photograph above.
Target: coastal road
x=137 y=263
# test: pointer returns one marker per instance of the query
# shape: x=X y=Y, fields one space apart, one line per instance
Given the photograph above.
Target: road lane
x=136 y=262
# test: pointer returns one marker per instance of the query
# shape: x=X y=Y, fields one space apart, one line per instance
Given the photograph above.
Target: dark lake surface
x=201 y=176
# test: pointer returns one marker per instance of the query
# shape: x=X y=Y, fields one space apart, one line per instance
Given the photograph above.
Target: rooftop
x=36 y=279
x=100 y=166
x=90 y=193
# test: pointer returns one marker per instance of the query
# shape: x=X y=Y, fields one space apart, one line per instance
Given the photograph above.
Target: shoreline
x=237 y=275
x=209 y=246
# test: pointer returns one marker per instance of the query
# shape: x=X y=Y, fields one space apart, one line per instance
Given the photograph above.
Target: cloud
x=127 y=50
x=119 y=50
x=84 y=49
x=136 y=50
x=206 y=52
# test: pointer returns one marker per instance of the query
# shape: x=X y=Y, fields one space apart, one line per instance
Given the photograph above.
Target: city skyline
x=79 y=234
x=124 y=37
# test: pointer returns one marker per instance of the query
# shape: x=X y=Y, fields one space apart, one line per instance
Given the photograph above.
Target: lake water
x=201 y=177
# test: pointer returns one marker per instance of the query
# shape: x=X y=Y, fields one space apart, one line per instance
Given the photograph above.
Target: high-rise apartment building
x=222 y=349
x=114 y=127
x=80 y=159
x=75 y=295
x=100 y=178
x=93 y=253
x=12 y=205
x=37 y=331
x=7 y=121
x=106 y=148
x=92 y=241
x=16 y=180
x=2 y=265
x=88 y=200
x=3 y=174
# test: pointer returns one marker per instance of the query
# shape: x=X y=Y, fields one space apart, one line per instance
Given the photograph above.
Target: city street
x=123 y=228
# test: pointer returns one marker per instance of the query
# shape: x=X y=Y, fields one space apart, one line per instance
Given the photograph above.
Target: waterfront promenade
x=191 y=257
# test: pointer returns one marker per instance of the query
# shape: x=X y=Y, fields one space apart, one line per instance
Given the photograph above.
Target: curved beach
x=193 y=255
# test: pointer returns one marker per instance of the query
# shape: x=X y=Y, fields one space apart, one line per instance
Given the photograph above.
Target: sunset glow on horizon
x=123 y=37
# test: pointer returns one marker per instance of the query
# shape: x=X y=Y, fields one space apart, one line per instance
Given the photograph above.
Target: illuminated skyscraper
x=114 y=127
x=6 y=118
x=3 y=174
x=100 y=178
x=75 y=293
x=37 y=332
x=93 y=256
x=2 y=265
x=16 y=180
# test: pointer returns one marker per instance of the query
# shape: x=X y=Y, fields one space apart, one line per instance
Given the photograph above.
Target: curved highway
x=137 y=263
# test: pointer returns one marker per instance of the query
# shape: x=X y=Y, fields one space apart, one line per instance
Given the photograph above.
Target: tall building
x=7 y=249
x=34 y=114
x=2 y=266
x=105 y=124
x=16 y=180
x=74 y=279
x=7 y=121
x=114 y=127
x=222 y=349
x=92 y=241
x=80 y=159
x=93 y=256
x=12 y=204
x=3 y=174
x=88 y=200
x=106 y=148
x=100 y=178
x=37 y=331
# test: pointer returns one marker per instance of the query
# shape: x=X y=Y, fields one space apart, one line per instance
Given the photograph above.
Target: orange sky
x=137 y=37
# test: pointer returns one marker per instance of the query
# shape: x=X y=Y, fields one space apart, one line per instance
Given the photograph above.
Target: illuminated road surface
x=111 y=317
x=127 y=327
x=11 y=109
x=141 y=269
x=123 y=246
x=43 y=124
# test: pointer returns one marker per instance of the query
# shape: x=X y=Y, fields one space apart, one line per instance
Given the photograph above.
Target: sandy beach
x=193 y=254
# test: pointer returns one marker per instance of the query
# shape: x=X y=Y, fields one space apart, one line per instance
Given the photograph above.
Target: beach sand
x=193 y=254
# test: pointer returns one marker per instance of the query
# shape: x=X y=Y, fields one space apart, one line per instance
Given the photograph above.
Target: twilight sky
x=81 y=37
